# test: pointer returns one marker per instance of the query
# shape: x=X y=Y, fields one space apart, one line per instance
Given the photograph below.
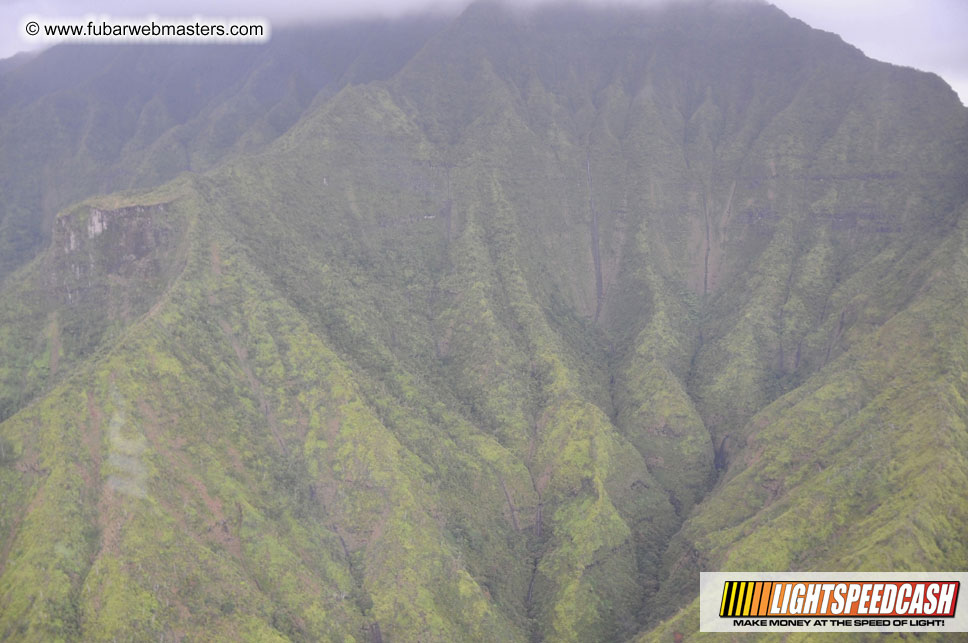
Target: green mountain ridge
x=505 y=340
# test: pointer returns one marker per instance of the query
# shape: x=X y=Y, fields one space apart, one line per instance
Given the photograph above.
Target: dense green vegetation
x=503 y=330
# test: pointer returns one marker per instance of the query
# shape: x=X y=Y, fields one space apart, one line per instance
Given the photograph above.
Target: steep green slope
x=227 y=476
x=863 y=466
x=507 y=346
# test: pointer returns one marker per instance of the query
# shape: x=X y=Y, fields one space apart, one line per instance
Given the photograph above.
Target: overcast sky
x=927 y=34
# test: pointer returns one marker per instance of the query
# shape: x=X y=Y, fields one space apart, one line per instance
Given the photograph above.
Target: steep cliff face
x=130 y=243
x=506 y=346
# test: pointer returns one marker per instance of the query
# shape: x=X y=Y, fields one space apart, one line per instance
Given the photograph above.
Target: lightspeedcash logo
x=865 y=598
x=828 y=602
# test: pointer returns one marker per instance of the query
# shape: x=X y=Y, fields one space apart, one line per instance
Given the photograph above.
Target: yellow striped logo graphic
x=746 y=598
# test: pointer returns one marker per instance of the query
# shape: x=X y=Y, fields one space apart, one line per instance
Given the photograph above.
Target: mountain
x=493 y=327
x=82 y=120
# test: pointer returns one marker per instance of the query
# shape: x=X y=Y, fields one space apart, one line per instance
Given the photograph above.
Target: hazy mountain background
x=496 y=327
